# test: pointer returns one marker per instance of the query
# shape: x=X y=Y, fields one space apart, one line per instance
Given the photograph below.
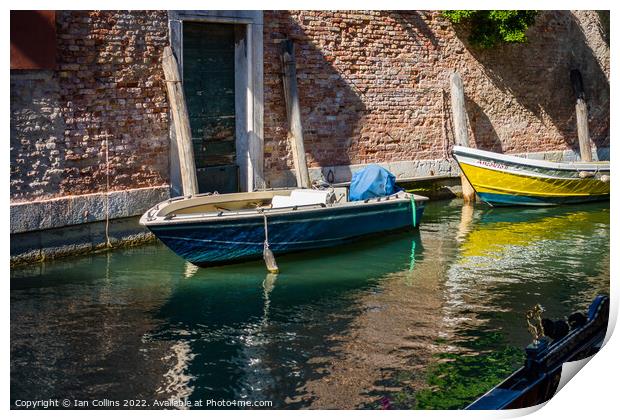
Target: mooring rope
x=414 y=212
x=270 y=260
x=444 y=129
x=107 y=192
x=266 y=233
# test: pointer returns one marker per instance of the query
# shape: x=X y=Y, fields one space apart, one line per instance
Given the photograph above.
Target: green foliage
x=456 y=380
x=493 y=27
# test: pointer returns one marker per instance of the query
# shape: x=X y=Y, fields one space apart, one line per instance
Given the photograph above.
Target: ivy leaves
x=490 y=28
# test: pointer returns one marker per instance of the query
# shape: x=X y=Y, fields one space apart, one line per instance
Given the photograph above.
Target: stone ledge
x=80 y=209
x=405 y=169
x=569 y=155
x=408 y=169
x=44 y=245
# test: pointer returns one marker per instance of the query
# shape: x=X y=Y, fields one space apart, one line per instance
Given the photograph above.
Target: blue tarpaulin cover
x=372 y=181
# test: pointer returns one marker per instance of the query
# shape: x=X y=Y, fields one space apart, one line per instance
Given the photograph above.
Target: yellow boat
x=508 y=180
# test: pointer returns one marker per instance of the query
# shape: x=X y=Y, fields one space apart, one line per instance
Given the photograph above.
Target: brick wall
x=107 y=86
x=373 y=86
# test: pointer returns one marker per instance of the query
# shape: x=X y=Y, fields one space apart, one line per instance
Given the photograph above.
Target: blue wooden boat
x=210 y=230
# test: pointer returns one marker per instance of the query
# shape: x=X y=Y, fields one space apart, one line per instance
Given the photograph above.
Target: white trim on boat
x=150 y=218
x=563 y=166
x=516 y=170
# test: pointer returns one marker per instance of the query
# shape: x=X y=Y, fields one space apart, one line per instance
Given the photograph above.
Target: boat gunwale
x=528 y=172
x=536 y=163
x=148 y=219
x=551 y=360
x=302 y=217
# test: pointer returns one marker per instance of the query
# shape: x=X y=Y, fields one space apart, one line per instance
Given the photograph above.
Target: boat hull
x=508 y=180
x=226 y=241
x=537 y=381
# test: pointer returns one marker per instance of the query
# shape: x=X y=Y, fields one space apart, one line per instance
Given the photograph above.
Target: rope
x=414 y=211
x=266 y=233
x=107 y=193
x=444 y=130
x=270 y=260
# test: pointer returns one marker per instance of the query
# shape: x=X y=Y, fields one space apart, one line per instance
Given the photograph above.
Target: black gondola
x=537 y=381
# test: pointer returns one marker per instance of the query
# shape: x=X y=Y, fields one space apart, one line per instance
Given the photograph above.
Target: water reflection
x=558 y=255
x=505 y=262
x=260 y=336
x=77 y=327
x=337 y=328
x=177 y=379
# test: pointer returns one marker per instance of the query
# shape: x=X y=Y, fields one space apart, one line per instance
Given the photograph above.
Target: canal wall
x=90 y=134
x=48 y=229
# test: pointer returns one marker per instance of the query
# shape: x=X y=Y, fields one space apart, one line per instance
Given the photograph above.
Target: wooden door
x=209 y=83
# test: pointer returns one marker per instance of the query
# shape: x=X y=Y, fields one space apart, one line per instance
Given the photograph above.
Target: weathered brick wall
x=107 y=86
x=37 y=133
x=374 y=86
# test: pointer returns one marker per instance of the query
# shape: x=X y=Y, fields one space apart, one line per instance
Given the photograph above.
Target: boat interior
x=266 y=199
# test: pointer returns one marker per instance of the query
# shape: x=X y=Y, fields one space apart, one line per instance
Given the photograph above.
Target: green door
x=209 y=83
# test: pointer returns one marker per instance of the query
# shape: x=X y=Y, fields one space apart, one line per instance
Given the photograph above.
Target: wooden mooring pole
x=180 y=116
x=459 y=121
x=581 y=110
x=293 y=113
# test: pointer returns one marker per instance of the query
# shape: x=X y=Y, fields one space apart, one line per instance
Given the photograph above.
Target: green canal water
x=430 y=319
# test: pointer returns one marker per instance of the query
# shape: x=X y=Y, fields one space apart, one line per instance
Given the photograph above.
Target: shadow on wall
x=116 y=118
x=415 y=25
x=484 y=133
x=331 y=106
x=604 y=27
x=349 y=83
x=537 y=75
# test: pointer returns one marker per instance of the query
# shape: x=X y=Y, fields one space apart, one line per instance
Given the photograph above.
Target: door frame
x=249 y=105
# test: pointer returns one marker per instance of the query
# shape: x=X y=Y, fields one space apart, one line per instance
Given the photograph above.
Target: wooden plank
x=585 y=149
x=241 y=100
x=459 y=115
x=255 y=104
x=174 y=86
x=293 y=113
x=176 y=43
x=459 y=122
x=581 y=110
